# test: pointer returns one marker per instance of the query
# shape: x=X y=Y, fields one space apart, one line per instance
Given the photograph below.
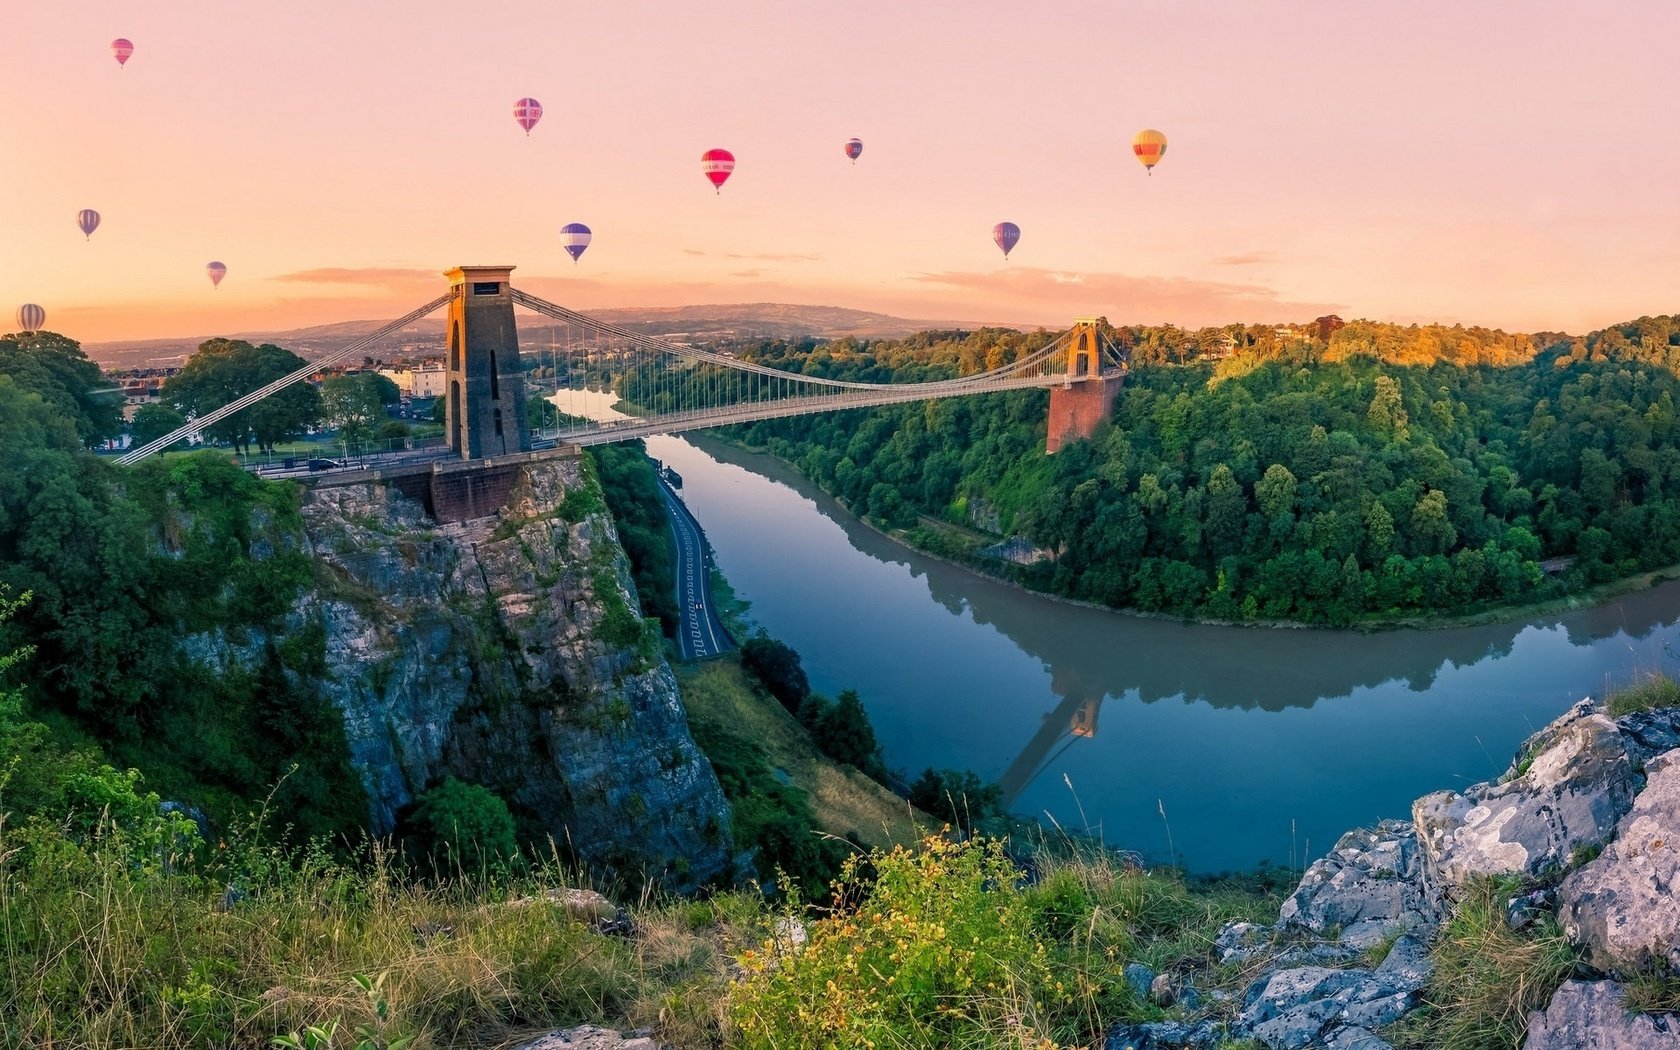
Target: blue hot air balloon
x=574 y=237
x=87 y=220
x=1006 y=234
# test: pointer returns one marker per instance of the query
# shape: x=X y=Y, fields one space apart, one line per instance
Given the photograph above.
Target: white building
x=425 y=381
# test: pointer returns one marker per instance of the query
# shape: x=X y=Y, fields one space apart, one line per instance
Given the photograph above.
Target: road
x=700 y=633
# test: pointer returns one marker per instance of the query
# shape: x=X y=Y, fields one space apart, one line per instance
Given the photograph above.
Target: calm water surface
x=1256 y=743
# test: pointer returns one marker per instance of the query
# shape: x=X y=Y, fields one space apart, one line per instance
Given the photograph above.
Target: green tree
x=223 y=370
x=351 y=405
x=154 y=421
x=845 y=734
x=1275 y=492
x=55 y=369
x=777 y=666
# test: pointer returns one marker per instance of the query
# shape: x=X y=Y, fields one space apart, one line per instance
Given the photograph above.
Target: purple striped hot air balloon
x=1006 y=234
x=121 y=48
x=216 y=271
x=30 y=318
x=87 y=220
x=527 y=111
x=574 y=237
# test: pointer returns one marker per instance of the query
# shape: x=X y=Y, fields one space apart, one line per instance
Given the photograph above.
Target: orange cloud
x=391 y=277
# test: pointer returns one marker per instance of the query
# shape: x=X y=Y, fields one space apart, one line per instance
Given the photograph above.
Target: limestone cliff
x=509 y=652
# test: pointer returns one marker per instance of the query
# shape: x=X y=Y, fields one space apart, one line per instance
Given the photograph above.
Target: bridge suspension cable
x=667 y=387
x=198 y=423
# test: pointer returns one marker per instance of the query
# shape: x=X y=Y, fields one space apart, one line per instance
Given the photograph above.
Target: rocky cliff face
x=509 y=652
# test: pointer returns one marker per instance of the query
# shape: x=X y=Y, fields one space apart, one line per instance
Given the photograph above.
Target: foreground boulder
x=1368 y=887
x=589 y=1037
x=1310 y=1006
x=1593 y=1015
x=1572 y=782
x=1622 y=907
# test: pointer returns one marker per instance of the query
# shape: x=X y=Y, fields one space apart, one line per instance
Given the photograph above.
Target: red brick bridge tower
x=1088 y=392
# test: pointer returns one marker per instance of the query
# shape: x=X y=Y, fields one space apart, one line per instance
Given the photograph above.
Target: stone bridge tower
x=1087 y=395
x=484 y=384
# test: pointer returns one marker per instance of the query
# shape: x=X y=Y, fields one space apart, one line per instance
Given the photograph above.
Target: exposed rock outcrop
x=1622 y=907
x=509 y=652
x=1572 y=782
x=1367 y=887
x=589 y=1037
x=1593 y=1015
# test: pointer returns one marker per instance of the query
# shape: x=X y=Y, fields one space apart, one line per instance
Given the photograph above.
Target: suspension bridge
x=663 y=387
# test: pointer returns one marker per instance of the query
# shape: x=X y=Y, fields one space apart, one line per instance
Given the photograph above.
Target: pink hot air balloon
x=30 y=318
x=121 y=48
x=854 y=149
x=1006 y=234
x=216 y=271
x=717 y=164
x=87 y=220
x=527 y=111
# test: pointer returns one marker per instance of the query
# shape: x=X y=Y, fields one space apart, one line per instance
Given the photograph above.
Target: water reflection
x=1266 y=732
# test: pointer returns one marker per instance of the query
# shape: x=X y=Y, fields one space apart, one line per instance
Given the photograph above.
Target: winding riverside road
x=700 y=633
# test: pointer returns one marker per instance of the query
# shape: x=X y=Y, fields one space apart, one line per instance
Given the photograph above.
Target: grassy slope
x=722 y=700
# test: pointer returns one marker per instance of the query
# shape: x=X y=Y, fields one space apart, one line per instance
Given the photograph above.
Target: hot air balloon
x=121 y=48
x=1150 y=146
x=527 y=111
x=574 y=237
x=854 y=149
x=216 y=271
x=1006 y=234
x=30 y=318
x=717 y=164
x=87 y=220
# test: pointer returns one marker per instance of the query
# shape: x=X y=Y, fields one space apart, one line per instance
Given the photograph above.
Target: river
x=1223 y=747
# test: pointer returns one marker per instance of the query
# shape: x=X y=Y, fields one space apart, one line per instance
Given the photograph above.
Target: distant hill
x=689 y=323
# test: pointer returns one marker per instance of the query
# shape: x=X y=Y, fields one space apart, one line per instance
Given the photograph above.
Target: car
x=324 y=464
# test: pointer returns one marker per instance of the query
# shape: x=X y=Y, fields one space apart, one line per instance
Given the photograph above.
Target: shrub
x=937 y=949
x=844 y=733
x=957 y=797
x=460 y=824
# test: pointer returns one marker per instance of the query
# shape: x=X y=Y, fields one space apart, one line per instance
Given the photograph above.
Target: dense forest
x=1328 y=473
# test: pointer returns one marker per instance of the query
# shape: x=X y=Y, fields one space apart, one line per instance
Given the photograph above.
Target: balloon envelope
x=1150 y=146
x=574 y=237
x=717 y=164
x=216 y=271
x=87 y=220
x=854 y=149
x=527 y=111
x=121 y=48
x=1006 y=234
x=30 y=318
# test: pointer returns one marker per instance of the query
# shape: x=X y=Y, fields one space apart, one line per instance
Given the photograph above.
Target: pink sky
x=1503 y=162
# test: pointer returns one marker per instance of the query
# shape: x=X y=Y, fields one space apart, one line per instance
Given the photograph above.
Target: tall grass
x=1648 y=692
x=101 y=952
x=1488 y=977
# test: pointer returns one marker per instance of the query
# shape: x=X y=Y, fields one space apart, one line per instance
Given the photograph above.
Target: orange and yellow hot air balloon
x=1150 y=146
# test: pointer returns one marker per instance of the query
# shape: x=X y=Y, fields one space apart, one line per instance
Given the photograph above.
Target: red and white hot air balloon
x=30 y=318
x=87 y=220
x=527 y=111
x=216 y=271
x=854 y=149
x=716 y=164
x=121 y=48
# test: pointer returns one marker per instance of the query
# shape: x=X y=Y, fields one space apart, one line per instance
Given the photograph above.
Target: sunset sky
x=1503 y=162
